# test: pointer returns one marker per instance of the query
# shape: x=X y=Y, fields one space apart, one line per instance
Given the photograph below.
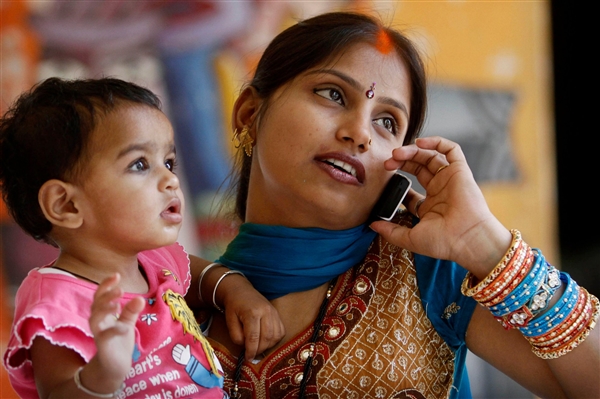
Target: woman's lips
x=342 y=167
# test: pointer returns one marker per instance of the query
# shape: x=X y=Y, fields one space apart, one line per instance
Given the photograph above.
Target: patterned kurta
x=376 y=341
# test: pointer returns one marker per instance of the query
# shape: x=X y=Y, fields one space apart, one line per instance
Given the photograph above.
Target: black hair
x=315 y=41
x=43 y=136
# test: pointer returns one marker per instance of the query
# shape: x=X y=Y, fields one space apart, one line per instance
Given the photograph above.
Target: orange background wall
x=504 y=45
x=497 y=45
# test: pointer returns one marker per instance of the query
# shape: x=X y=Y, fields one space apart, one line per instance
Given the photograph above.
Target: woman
x=332 y=112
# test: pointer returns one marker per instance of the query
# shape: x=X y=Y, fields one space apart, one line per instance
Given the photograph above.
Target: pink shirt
x=170 y=357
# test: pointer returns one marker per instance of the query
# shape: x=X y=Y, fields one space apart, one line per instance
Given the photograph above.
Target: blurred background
x=505 y=82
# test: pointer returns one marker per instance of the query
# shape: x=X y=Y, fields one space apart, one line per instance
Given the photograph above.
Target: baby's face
x=132 y=197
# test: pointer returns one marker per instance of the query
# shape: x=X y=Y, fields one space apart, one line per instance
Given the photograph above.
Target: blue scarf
x=279 y=260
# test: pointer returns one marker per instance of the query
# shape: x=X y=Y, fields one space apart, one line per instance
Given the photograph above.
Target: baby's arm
x=251 y=319
x=55 y=366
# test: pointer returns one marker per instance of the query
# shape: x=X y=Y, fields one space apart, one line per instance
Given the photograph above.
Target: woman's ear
x=246 y=108
x=57 y=200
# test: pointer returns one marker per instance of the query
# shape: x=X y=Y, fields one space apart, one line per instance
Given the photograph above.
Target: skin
x=291 y=184
x=128 y=199
x=455 y=220
x=305 y=122
x=131 y=162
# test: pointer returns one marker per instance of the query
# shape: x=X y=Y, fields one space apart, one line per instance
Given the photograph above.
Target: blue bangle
x=522 y=293
x=546 y=321
x=542 y=297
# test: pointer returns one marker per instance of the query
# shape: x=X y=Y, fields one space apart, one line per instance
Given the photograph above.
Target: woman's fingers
x=450 y=149
x=427 y=158
x=413 y=201
x=393 y=233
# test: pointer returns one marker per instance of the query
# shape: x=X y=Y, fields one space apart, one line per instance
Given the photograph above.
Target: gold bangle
x=77 y=380
x=577 y=340
x=468 y=290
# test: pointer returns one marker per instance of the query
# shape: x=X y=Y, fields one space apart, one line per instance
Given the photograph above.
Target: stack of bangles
x=518 y=292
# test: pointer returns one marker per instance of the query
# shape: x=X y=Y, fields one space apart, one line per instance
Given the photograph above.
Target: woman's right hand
x=455 y=221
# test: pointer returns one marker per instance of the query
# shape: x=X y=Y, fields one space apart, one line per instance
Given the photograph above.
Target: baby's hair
x=44 y=135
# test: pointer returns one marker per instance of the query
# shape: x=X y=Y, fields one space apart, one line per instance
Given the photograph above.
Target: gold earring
x=243 y=139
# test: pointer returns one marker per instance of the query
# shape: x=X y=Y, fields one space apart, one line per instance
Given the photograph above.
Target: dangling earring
x=243 y=139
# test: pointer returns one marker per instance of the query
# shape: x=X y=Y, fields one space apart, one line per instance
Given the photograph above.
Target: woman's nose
x=356 y=131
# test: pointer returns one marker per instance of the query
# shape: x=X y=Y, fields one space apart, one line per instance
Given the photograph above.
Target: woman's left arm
x=251 y=319
x=456 y=224
x=574 y=375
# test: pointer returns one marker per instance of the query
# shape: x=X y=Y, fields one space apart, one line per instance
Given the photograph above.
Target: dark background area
x=578 y=160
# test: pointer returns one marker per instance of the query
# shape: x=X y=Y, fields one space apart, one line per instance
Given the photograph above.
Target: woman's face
x=321 y=144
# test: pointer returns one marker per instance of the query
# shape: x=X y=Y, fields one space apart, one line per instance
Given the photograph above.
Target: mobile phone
x=391 y=198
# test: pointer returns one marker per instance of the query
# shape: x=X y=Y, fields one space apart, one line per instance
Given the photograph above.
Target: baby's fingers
x=131 y=310
x=106 y=307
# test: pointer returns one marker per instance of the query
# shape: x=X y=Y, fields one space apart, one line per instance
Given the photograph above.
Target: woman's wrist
x=217 y=283
x=225 y=290
x=202 y=281
x=485 y=249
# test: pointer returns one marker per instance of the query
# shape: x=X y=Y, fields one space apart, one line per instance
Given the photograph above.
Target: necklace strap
x=237 y=375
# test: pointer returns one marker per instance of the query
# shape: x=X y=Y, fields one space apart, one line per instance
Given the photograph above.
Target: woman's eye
x=139 y=165
x=171 y=164
x=388 y=123
x=331 y=94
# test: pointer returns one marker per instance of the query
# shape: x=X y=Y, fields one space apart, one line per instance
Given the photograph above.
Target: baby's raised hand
x=113 y=327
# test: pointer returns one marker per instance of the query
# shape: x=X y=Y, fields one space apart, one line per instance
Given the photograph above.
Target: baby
x=89 y=166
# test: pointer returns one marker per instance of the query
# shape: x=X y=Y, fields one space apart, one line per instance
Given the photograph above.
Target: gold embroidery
x=394 y=347
x=451 y=309
x=376 y=354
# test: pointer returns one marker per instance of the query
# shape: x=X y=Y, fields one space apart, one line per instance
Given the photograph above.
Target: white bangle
x=227 y=273
x=207 y=268
x=77 y=380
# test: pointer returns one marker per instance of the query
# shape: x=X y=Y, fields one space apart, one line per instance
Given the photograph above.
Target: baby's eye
x=330 y=94
x=388 y=123
x=171 y=164
x=139 y=165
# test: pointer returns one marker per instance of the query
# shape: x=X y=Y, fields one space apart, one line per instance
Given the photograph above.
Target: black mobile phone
x=391 y=198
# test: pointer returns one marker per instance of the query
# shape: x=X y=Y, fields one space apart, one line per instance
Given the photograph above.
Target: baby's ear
x=57 y=200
